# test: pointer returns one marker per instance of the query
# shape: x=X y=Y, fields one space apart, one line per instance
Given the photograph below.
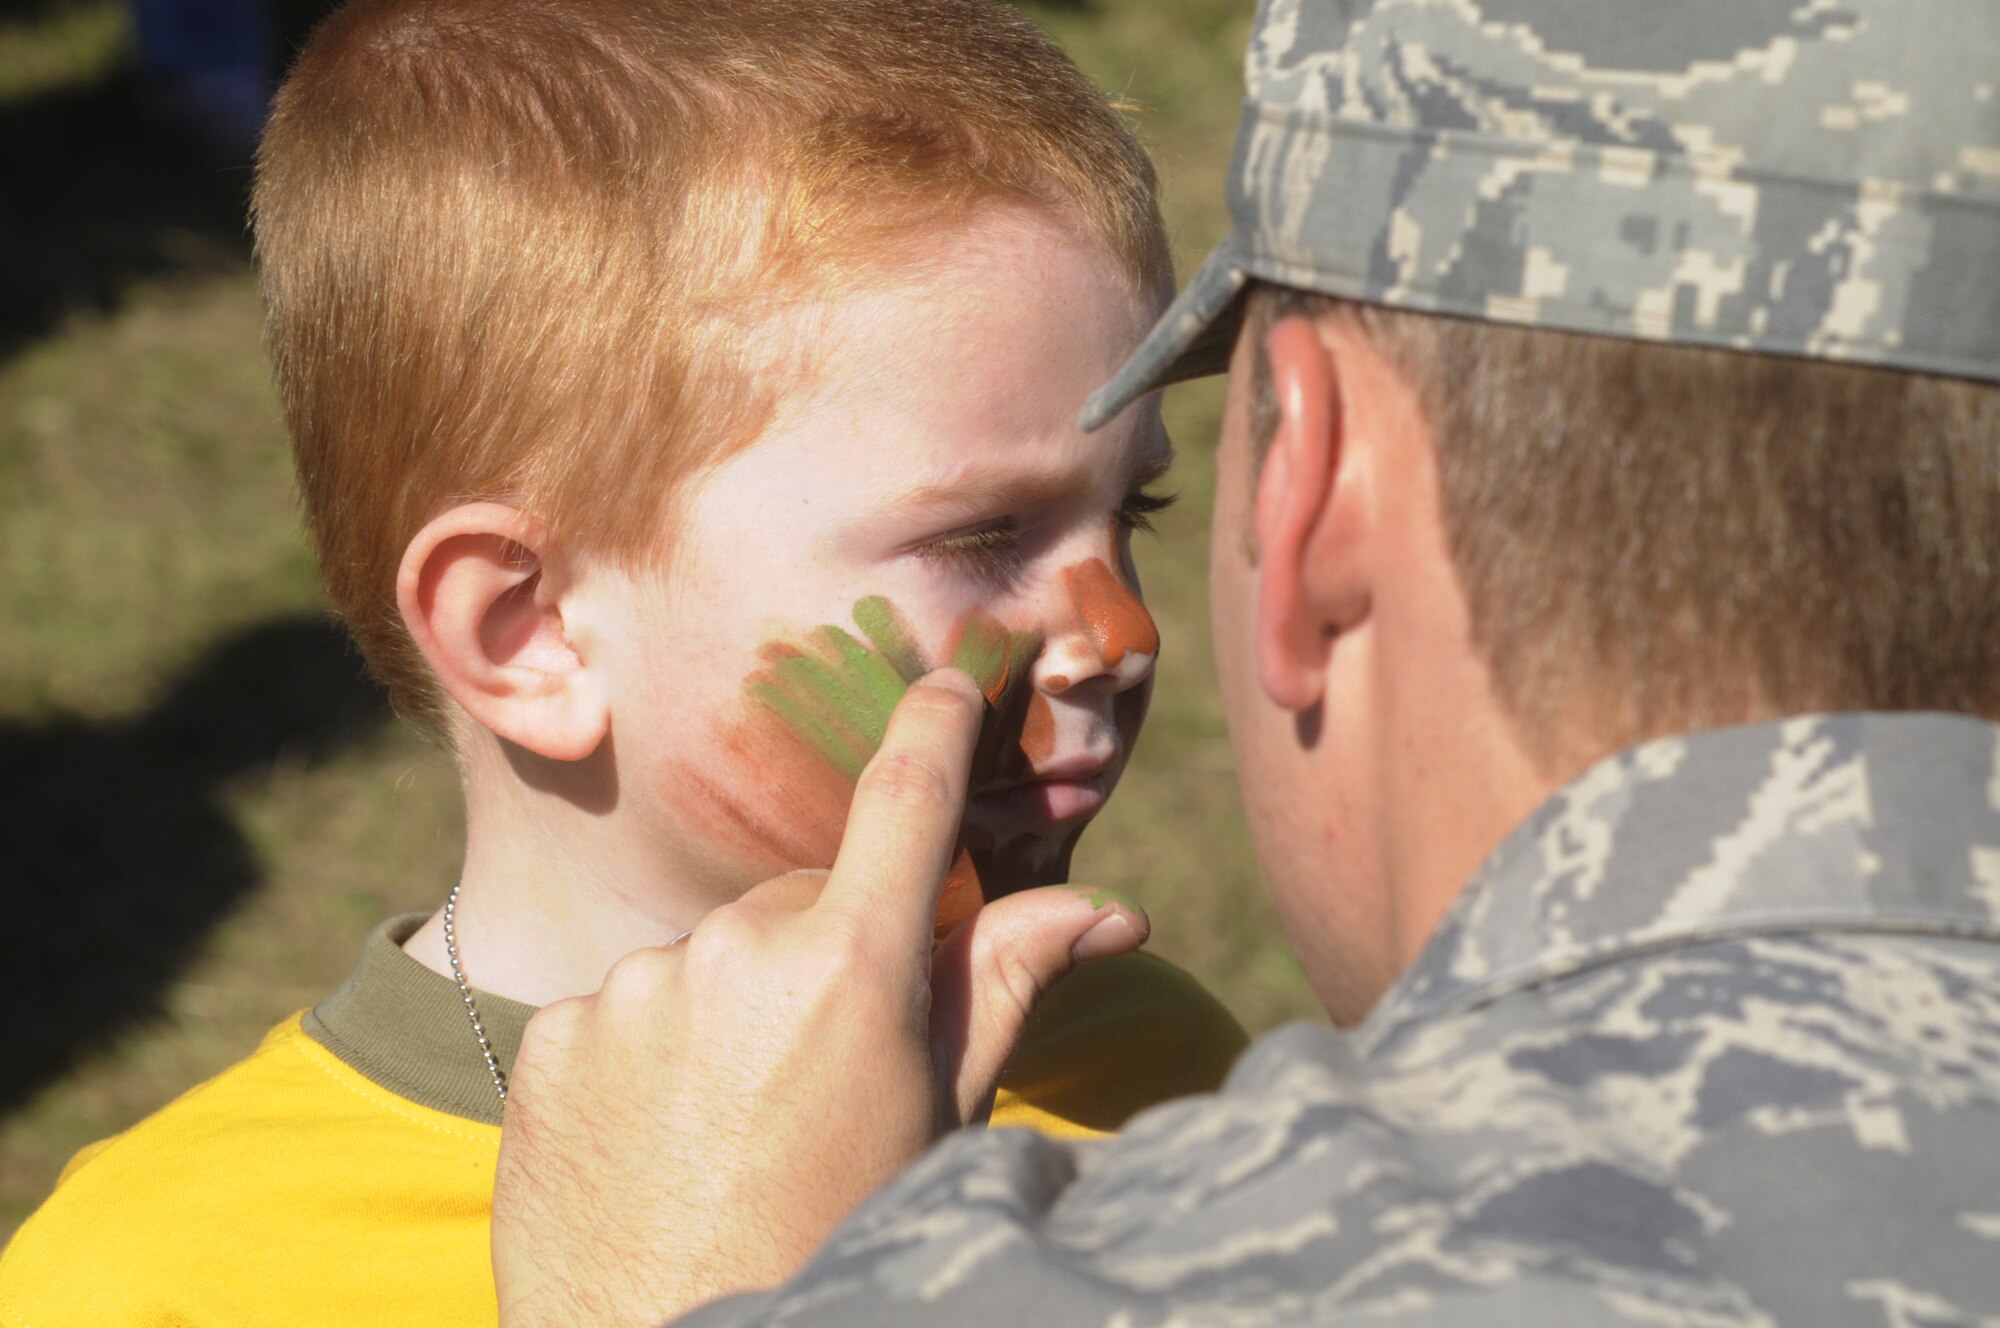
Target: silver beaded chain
x=465 y=992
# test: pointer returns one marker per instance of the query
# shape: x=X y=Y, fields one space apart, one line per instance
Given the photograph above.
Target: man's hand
x=702 y=1123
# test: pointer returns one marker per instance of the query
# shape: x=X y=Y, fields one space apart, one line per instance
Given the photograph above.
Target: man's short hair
x=1655 y=538
x=515 y=249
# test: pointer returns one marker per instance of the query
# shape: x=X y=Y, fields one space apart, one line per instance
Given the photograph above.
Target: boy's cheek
x=770 y=788
x=1128 y=711
x=763 y=800
x=768 y=802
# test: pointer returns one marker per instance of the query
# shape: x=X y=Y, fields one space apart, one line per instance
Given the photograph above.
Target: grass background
x=208 y=809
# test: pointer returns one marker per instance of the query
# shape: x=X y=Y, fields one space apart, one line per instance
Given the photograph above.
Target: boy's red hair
x=515 y=249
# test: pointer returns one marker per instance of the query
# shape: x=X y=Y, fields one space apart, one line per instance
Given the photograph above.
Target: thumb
x=991 y=973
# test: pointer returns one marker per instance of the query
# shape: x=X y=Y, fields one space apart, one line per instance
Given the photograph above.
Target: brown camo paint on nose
x=1116 y=621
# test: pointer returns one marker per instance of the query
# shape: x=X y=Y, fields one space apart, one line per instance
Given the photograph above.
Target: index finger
x=903 y=824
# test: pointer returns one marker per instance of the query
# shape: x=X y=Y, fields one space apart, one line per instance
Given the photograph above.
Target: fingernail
x=1111 y=935
x=954 y=680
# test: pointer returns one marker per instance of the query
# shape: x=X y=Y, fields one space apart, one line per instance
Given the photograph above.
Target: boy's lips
x=1063 y=788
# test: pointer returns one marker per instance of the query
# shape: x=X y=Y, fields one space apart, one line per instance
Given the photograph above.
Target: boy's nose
x=1101 y=633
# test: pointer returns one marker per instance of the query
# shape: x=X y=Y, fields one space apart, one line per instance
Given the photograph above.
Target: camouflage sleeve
x=1712 y=1039
x=1737 y=1133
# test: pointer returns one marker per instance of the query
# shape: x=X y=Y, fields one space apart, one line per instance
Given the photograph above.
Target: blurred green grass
x=146 y=513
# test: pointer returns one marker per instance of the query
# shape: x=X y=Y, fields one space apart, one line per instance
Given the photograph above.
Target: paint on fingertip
x=1098 y=896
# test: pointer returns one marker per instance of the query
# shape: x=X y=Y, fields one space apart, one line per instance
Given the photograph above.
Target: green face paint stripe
x=997 y=659
x=809 y=716
x=837 y=693
x=867 y=677
x=830 y=693
x=838 y=749
x=883 y=626
x=1022 y=647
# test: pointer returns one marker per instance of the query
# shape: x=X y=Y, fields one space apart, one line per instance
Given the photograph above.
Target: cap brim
x=1193 y=339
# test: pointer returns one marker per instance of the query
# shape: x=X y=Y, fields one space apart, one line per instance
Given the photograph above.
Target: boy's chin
x=1007 y=865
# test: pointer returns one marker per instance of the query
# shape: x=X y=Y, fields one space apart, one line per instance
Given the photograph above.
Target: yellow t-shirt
x=343 y=1172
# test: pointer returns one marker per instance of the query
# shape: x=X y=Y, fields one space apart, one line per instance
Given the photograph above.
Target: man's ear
x=489 y=621
x=1309 y=518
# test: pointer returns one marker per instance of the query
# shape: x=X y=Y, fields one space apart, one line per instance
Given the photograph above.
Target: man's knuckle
x=638 y=976
x=849 y=948
x=725 y=942
x=551 y=1031
x=725 y=931
x=557 y=1021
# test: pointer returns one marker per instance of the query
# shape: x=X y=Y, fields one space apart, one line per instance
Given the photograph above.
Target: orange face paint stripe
x=1038 y=729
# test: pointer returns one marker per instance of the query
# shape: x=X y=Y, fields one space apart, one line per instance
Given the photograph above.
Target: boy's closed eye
x=995 y=548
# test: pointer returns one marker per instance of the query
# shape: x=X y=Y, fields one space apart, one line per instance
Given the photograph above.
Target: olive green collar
x=405 y=1027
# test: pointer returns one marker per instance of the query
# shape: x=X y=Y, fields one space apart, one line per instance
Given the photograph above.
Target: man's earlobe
x=1298 y=518
x=479 y=603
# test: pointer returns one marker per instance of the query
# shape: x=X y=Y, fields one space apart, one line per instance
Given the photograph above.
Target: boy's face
x=924 y=498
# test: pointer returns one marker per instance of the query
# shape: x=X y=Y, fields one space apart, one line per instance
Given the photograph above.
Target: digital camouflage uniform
x=1714 y=1037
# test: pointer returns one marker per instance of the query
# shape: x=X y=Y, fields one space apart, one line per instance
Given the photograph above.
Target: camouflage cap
x=1804 y=177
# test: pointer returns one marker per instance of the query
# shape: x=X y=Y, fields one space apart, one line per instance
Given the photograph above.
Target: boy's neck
x=553 y=893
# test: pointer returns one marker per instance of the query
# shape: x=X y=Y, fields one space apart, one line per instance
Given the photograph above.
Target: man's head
x=1496 y=500
x=669 y=378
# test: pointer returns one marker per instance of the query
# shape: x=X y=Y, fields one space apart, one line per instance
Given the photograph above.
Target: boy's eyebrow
x=981 y=490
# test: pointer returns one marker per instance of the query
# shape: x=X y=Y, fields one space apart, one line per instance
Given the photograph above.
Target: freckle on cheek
x=1118 y=623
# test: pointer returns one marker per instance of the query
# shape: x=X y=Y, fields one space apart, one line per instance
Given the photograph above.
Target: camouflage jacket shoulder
x=1712 y=1038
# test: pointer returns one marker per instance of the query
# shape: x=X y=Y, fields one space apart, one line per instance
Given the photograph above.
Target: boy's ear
x=1311 y=516
x=476 y=600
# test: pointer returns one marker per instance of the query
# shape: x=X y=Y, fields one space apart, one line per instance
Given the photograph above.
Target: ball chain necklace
x=465 y=991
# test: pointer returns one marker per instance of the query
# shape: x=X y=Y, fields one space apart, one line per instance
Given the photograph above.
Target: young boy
x=672 y=381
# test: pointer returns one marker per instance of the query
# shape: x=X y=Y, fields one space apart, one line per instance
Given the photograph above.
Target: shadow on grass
x=27 y=11
x=99 y=195
x=103 y=190
x=120 y=858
